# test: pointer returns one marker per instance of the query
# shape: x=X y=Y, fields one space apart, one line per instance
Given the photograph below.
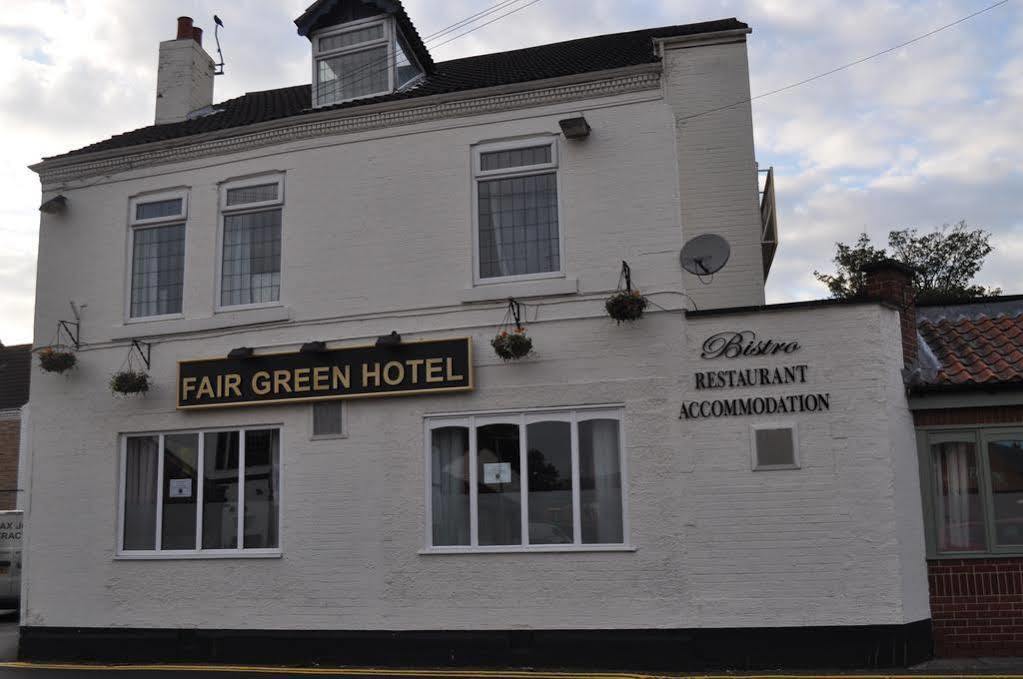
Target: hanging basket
x=626 y=305
x=512 y=345
x=129 y=382
x=57 y=360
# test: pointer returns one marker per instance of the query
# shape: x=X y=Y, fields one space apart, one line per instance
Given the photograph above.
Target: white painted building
x=614 y=491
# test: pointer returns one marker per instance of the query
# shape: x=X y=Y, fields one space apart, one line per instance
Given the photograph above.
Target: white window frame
x=791 y=426
x=239 y=552
x=224 y=211
x=135 y=225
x=479 y=175
x=313 y=436
x=387 y=40
x=521 y=418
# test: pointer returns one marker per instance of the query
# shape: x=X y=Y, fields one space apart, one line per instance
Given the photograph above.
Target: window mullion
x=576 y=506
x=523 y=481
x=241 y=490
x=473 y=490
x=200 y=471
x=159 y=496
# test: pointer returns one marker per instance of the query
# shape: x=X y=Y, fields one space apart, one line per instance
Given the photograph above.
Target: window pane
x=157 y=270
x=327 y=418
x=957 y=497
x=251 y=271
x=500 y=160
x=220 y=491
x=499 y=512
x=333 y=42
x=600 y=482
x=355 y=74
x=518 y=226
x=550 y=482
x=262 y=494
x=158 y=209
x=140 y=492
x=181 y=455
x=1006 y=460
x=252 y=194
x=449 y=476
x=406 y=68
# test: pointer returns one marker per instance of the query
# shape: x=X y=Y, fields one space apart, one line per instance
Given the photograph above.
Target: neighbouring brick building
x=15 y=369
x=967 y=401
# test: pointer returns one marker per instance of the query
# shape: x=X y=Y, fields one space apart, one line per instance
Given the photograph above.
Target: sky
x=929 y=134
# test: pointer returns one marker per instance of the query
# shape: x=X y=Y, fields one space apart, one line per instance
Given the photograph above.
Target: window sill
x=327 y=437
x=222 y=554
x=223 y=319
x=531 y=549
x=542 y=287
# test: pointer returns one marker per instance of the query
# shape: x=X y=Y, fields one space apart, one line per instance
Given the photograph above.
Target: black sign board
x=429 y=366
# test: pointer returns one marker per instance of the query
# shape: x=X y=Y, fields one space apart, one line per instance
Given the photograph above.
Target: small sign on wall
x=180 y=488
x=497 y=472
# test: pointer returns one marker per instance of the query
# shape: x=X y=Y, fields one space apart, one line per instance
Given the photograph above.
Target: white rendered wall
x=184 y=80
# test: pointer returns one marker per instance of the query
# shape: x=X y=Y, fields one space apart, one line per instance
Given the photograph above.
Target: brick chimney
x=892 y=282
x=184 y=76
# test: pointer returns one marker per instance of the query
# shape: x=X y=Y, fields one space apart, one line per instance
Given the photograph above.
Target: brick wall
x=10 y=430
x=977 y=606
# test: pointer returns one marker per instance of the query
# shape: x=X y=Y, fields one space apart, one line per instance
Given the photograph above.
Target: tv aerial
x=218 y=68
x=705 y=255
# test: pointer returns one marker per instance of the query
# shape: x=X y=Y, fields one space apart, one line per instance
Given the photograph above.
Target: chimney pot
x=892 y=282
x=184 y=28
x=197 y=35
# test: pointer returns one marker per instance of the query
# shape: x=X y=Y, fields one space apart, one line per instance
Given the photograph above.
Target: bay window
x=526 y=481
x=204 y=492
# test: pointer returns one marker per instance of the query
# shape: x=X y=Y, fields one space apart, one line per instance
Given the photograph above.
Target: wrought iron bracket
x=144 y=349
x=72 y=330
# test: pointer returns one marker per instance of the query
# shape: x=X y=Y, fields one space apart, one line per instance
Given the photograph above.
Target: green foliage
x=944 y=262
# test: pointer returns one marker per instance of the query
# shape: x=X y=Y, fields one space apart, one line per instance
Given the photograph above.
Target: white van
x=10 y=558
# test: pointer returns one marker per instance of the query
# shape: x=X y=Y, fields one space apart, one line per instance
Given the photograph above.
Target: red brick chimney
x=892 y=282
x=184 y=28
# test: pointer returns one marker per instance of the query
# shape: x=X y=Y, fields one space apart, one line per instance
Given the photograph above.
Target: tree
x=944 y=262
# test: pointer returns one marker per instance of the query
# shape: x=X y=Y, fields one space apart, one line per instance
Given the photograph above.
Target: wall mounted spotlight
x=389 y=341
x=575 y=128
x=314 y=347
x=241 y=352
x=54 y=206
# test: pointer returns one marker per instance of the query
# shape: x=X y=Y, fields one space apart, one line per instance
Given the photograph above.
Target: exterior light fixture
x=54 y=206
x=389 y=341
x=314 y=347
x=575 y=128
x=241 y=352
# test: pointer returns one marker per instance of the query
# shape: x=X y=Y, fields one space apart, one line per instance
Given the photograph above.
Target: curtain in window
x=450 y=478
x=957 y=497
x=518 y=226
x=251 y=271
x=157 y=270
x=140 y=492
x=600 y=482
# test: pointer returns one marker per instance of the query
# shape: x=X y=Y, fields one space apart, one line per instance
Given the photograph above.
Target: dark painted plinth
x=678 y=650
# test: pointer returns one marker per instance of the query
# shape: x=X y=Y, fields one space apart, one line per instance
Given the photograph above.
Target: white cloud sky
x=929 y=134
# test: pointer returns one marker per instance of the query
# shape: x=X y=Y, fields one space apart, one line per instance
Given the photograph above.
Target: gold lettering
x=366 y=373
x=341 y=376
x=320 y=375
x=434 y=368
x=282 y=381
x=261 y=383
x=187 y=385
x=205 y=388
x=232 y=385
x=452 y=377
x=301 y=379
x=393 y=380
x=414 y=363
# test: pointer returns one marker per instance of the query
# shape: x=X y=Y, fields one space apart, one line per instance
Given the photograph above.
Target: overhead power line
x=850 y=64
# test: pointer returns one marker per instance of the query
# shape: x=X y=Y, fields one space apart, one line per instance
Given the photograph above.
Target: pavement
x=10 y=668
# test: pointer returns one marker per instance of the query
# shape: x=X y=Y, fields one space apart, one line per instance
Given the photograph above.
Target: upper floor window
x=157 y=254
x=517 y=221
x=250 y=268
x=360 y=59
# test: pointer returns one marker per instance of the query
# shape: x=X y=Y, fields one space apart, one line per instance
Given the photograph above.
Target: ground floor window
x=976 y=488
x=541 y=480
x=200 y=491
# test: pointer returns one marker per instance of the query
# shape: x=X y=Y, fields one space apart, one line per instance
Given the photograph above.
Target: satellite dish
x=705 y=255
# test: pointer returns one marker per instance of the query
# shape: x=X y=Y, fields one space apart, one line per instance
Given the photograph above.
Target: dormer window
x=360 y=59
x=361 y=49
